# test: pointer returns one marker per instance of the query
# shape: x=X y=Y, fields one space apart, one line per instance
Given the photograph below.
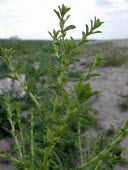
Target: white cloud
x=33 y=18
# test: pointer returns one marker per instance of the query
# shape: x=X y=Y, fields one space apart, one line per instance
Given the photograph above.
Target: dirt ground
x=7 y=166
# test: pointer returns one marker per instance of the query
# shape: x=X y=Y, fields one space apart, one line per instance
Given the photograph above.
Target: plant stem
x=55 y=106
x=98 y=165
x=115 y=140
x=21 y=132
x=48 y=148
x=32 y=137
x=79 y=141
x=10 y=158
x=104 y=152
x=26 y=89
x=46 y=156
x=13 y=134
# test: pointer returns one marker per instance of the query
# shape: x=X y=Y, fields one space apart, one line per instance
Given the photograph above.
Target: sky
x=32 y=19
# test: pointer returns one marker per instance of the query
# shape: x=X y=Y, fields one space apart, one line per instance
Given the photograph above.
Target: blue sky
x=32 y=19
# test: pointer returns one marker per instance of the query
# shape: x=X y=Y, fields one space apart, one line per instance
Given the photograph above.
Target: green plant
x=3 y=119
x=65 y=105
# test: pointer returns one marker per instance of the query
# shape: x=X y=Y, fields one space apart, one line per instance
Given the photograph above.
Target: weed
x=36 y=152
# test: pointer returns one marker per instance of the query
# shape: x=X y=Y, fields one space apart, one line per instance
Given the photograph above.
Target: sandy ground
x=7 y=166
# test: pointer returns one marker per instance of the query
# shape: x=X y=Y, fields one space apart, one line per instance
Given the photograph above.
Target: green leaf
x=50 y=34
x=83 y=35
x=53 y=68
x=57 y=13
x=53 y=86
x=11 y=77
x=94 y=74
x=63 y=10
x=97 y=32
x=91 y=23
x=91 y=66
x=87 y=29
x=17 y=67
x=57 y=157
x=7 y=60
x=124 y=132
x=83 y=91
x=65 y=97
x=69 y=27
x=6 y=129
x=16 y=132
x=67 y=17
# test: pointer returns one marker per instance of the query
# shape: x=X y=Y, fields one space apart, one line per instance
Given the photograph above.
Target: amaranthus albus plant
x=66 y=106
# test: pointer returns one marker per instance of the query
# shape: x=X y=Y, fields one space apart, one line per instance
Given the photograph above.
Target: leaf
x=6 y=129
x=97 y=32
x=69 y=27
x=50 y=34
x=57 y=157
x=57 y=13
x=87 y=29
x=83 y=91
x=16 y=132
x=65 y=97
x=53 y=68
x=124 y=132
x=7 y=60
x=94 y=74
x=63 y=10
x=68 y=17
x=53 y=86
x=83 y=35
x=17 y=67
x=91 y=66
x=91 y=23
x=60 y=153
x=11 y=77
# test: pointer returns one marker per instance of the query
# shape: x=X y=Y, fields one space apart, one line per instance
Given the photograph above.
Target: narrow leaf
x=9 y=76
x=50 y=34
x=87 y=29
x=67 y=17
x=97 y=32
x=69 y=27
x=57 y=13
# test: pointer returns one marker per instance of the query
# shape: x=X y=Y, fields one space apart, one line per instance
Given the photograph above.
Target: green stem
x=79 y=141
x=98 y=165
x=46 y=156
x=21 y=132
x=26 y=89
x=87 y=164
x=10 y=158
x=55 y=107
x=49 y=142
x=32 y=136
x=13 y=134
x=116 y=140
